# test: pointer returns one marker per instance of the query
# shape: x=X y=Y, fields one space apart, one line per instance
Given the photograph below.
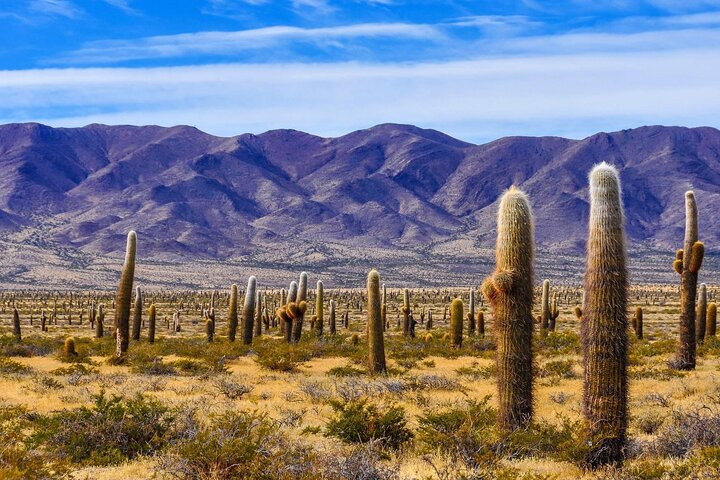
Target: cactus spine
x=151 y=323
x=16 y=325
x=687 y=264
x=249 y=310
x=510 y=293
x=124 y=296
x=233 y=313
x=137 y=315
x=711 y=320
x=604 y=323
x=376 y=342
x=456 y=323
x=701 y=315
x=319 y=310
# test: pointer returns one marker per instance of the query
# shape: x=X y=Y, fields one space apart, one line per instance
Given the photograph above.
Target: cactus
x=151 y=323
x=301 y=297
x=545 y=306
x=687 y=263
x=333 y=328
x=124 y=296
x=209 y=326
x=100 y=321
x=257 y=326
x=137 y=315
x=69 y=348
x=292 y=292
x=471 y=313
x=456 y=323
x=406 y=312
x=481 y=323
x=701 y=314
x=16 y=325
x=43 y=321
x=355 y=339
x=604 y=325
x=319 y=310
x=233 y=313
x=638 y=323
x=510 y=292
x=286 y=319
x=384 y=306
x=711 y=320
x=428 y=338
x=376 y=341
x=249 y=311
x=554 y=314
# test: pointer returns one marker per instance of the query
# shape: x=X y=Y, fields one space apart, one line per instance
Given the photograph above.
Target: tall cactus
x=376 y=341
x=297 y=324
x=248 y=318
x=545 y=306
x=332 y=321
x=510 y=293
x=456 y=323
x=687 y=264
x=151 y=323
x=292 y=292
x=604 y=321
x=100 y=321
x=137 y=314
x=257 y=326
x=481 y=323
x=319 y=309
x=711 y=320
x=406 y=312
x=554 y=313
x=124 y=296
x=233 y=313
x=16 y=325
x=701 y=315
x=638 y=323
x=471 y=313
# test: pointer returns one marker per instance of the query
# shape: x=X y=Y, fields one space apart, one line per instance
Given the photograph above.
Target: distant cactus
x=638 y=323
x=604 y=326
x=233 y=313
x=332 y=320
x=69 y=348
x=137 y=315
x=456 y=323
x=296 y=311
x=481 y=323
x=687 y=264
x=319 y=309
x=711 y=320
x=209 y=328
x=510 y=293
x=545 y=306
x=384 y=306
x=355 y=339
x=16 y=325
x=297 y=325
x=302 y=287
x=43 y=321
x=292 y=292
x=471 y=313
x=376 y=342
x=249 y=310
x=284 y=316
x=428 y=338
x=701 y=314
x=257 y=325
x=406 y=312
x=554 y=314
x=151 y=323
x=123 y=297
x=100 y=321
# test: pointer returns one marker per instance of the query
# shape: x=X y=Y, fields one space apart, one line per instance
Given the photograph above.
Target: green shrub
x=476 y=372
x=557 y=368
x=109 y=432
x=346 y=371
x=557 y=343
x=11 y=367
x=359 y=421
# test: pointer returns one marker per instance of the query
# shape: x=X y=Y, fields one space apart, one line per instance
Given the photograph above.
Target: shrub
x=346 y=371
x=363 y=422
x=230 y=388
x=109 y=432
x=557 y=368
x=476 y=372
x=11 y=367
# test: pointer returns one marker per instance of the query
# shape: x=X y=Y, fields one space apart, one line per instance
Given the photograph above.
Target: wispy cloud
x=123 y=5
x=227 y=43
x=63 y=8
x=570 y=95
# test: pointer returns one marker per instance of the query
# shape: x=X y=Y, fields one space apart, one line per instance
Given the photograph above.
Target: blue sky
x=477 y=70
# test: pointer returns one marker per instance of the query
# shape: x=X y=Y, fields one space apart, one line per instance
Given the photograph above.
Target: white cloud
x=63 y=8
x=167 y=46
x=123 y=5
x=570 y=95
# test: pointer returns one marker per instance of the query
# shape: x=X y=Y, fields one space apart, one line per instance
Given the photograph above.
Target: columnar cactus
x=297 y=324
x=604 y=323
x=638 y=323
x=319 y=309
x=711 y=320
x=69 y=348
x=292 y=292
x=332 y=321
x=510 y=292
x=233 y=313
x=471 y=313
x=100 y=321
x=151 y=323
x=137 y=315
x=249 y=310
x=16 y=325
x=545 y=306
x=209 y=327
x=124 y=296
x=481 y=323
x=257 y=326
x=554 y=313
x=376 y=341
x=406 y=312
x=456 y=323
x=701 y=315
x=384 y=306
x=296 y=311
x=687 y=264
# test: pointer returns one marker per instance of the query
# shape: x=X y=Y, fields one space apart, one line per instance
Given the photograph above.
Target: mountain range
x=286 y=198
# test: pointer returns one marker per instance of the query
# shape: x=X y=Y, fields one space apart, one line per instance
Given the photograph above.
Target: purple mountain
x=194 y=195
